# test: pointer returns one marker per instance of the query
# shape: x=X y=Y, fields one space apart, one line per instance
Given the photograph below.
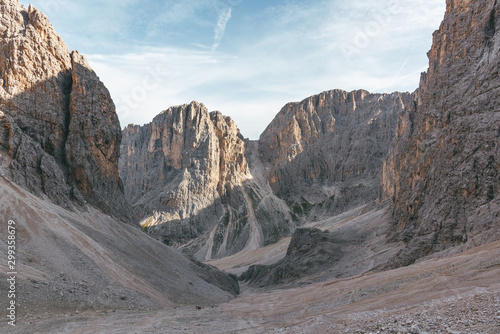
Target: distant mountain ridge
x=189 y=176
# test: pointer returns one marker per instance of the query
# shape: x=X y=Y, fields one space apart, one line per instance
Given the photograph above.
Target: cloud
x=282 y=54
x=220 y=28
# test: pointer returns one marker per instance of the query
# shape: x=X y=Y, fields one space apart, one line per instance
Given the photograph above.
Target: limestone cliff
x=59 y=133
x=443 y=167
x=188 y=174
x=325 y=153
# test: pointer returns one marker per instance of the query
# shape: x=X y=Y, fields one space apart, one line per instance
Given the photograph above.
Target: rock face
x=58 y=124
x=310 y=251
x=327 y=150
x=443 y=168
x=188 y=174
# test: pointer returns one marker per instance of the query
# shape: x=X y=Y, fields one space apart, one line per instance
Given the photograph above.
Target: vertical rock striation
x=189 y=177
x=443 y=169
x=327 y=150
x=59 y=133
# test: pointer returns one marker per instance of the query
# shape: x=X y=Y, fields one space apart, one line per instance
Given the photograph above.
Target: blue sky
x=245 y=58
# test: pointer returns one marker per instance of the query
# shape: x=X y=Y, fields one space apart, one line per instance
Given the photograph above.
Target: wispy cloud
x=220 y=28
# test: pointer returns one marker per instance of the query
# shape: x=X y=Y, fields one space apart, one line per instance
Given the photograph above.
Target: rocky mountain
x=189 y=175
x=57 y=121
x=443 y=168
x=327 y=151
x=197 y=184
x=310 y=251
x=61 y=191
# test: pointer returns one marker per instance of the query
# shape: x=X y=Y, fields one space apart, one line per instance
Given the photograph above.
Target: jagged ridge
x=327 y=150
x=197 y=184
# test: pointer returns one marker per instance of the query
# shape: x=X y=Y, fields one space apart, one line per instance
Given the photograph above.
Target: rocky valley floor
x=455 y=294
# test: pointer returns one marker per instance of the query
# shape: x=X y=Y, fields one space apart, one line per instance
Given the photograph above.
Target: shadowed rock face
x=58 y=124
x=188 y=174
x=328 y=149
x=443 y=167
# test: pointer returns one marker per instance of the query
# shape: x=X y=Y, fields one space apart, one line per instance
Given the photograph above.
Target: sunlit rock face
x=191 y=178
x=443 y=167
x=59 y=132
x=324 y=154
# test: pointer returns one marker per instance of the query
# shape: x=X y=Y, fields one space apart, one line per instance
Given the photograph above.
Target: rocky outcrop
x=314 y=252
x=325 y=153
x=189 y=175
x=58 y=122
x=443 y=168
x=310 y=251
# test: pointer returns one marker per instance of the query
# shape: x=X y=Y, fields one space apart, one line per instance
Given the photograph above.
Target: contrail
x=220 y=28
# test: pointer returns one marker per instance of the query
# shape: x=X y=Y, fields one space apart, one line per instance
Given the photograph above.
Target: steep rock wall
x=443 y=167
x=327 y=150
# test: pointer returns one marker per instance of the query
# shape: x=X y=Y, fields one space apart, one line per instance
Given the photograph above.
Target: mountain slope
x=59 y=149
x=197 y=184
x=76 y=261
x=57 y=120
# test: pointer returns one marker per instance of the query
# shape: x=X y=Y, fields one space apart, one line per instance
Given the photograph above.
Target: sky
x=245 y=58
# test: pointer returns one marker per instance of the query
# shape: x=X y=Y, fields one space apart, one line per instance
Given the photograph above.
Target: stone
x=310 y=251
x=188 y=175
x=198 y=185
x=93 y=142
